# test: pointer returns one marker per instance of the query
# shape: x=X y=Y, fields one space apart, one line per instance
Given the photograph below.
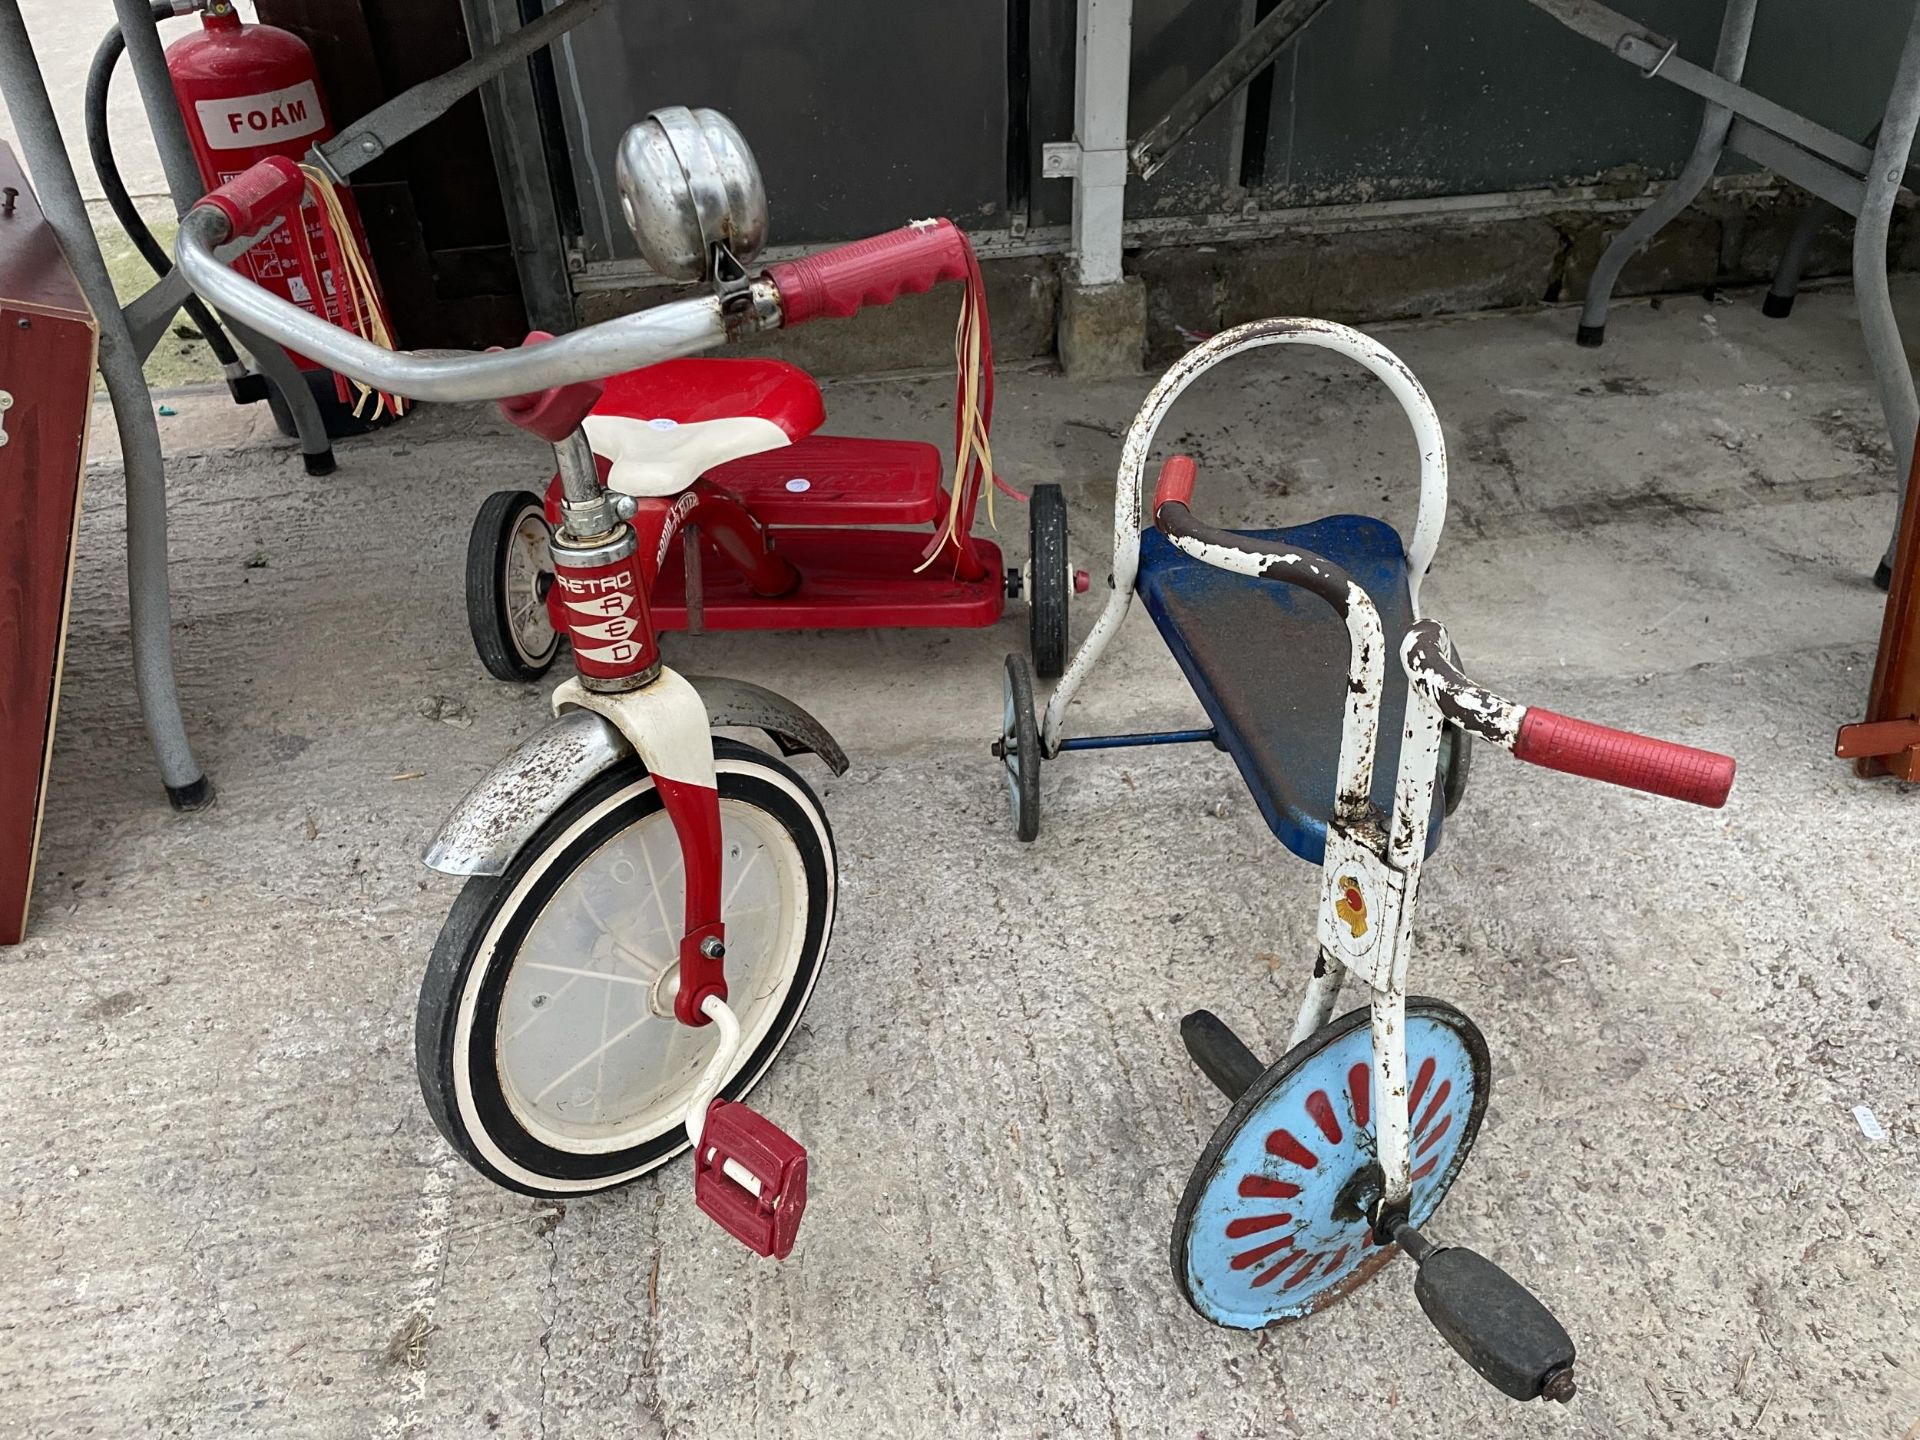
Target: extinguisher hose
x=100 y=143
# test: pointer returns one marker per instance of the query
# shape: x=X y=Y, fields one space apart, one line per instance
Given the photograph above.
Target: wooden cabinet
x=1887 y=742
x=47 y=340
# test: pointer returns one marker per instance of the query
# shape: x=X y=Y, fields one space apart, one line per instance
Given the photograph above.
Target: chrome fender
x=524 y=791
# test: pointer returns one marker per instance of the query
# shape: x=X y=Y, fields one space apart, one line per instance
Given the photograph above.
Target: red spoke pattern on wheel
x=1282 y=1143
x=1305 y=1272
x=1265 y=1187
x=1432 y=1137
x=1426 y=1136
x=1269 y=1276
x=1301 y=1265
x=1420 y=1083
x=1439 y=1100
x=1253 y=1257
x=1321 y=1109
x=1254 y=1224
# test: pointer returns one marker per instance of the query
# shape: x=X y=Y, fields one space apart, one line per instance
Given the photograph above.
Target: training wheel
x=509 y=569
x=1019 y=748
x=1273 y=1224
x=1049 y=582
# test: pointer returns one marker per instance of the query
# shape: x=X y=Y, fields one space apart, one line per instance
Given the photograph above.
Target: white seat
x=664 y=426
x=663 y=457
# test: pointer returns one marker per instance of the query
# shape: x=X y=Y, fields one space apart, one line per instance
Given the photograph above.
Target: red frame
x=837 y=573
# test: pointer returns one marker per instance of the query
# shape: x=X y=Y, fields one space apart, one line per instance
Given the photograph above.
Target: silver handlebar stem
x=684 y=327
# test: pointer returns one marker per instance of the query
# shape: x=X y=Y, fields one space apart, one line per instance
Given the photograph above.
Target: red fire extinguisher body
x=247 y=92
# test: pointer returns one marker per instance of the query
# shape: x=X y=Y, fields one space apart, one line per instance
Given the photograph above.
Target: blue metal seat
x=1269 y=663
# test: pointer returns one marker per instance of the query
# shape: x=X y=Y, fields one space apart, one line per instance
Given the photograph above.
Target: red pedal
x=765 y=1223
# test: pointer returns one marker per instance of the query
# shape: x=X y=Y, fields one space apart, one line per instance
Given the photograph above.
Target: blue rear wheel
x=1273 y=1224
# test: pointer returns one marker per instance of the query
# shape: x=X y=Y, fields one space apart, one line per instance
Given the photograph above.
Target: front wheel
x=1273 y=1225
x=547 y=1048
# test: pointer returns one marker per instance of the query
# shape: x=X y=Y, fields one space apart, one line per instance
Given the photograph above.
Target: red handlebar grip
x=1176 y=482
x=1619 y=757
x=555 y=413
x=876 y=271
x=260 y=194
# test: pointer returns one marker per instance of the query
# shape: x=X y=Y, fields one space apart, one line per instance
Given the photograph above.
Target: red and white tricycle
x=646 y=904
x=772 y=525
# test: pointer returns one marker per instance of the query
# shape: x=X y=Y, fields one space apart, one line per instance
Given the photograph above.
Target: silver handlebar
x=683 y=327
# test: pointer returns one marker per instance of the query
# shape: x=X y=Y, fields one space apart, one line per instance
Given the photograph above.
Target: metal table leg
x=1730 y=62
x=1892 y=376
x=148 y=599
x=148 y=61
x=1793 y=260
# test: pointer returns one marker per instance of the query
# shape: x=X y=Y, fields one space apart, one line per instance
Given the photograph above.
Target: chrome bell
x=688 y=183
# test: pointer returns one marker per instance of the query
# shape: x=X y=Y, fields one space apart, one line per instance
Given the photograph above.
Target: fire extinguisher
x=247 y=92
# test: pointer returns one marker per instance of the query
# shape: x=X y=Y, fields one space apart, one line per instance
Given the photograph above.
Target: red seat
x=668 y=424
x=690 y=391
x=832 y=480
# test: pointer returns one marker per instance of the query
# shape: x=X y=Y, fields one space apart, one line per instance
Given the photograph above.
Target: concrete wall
x=863 y=111
x=1403 y=157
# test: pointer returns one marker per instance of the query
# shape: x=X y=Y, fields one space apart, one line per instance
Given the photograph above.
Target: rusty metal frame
x=1370 y=876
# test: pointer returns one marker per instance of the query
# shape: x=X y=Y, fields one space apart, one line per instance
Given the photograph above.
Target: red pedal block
x=765 y=1223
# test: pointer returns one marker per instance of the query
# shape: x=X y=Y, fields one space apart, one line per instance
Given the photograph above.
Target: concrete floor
x=225 y=1212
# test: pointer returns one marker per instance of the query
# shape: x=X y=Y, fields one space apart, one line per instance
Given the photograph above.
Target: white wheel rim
x=590 y=1059
x=527 y=557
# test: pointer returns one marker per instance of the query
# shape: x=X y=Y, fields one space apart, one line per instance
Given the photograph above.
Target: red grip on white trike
x=259 y=195
x=1620 y=757
x=1176 y=482
x=875 y=271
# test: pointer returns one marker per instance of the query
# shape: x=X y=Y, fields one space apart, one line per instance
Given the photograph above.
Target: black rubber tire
x=488 y=606
x=1020 y=745
x=1050 y=583
x=748 y=775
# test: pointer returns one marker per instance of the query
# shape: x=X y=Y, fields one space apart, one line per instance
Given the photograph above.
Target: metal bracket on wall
x=1060 y=160
x=373 y=134
x=1249 y=56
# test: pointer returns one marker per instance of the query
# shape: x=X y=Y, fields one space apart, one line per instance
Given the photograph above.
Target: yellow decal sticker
x=1351 y=906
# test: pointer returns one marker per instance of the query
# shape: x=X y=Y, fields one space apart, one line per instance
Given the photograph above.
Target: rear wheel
x=509 y=570
x=1049 y=583
x=1019 y=748
x=546 y=1044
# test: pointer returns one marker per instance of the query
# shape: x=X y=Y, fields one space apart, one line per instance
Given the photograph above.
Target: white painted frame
x=1382 y=866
